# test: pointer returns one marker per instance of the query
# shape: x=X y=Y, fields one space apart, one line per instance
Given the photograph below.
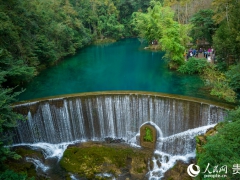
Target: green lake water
x=123 y=65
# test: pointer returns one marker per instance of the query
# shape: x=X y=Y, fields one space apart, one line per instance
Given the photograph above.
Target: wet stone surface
x=95 y=160
x=113 y=140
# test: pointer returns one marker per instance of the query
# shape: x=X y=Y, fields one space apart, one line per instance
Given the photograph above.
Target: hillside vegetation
x=36 y=34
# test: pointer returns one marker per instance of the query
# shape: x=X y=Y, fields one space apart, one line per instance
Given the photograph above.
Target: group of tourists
x=209 y=54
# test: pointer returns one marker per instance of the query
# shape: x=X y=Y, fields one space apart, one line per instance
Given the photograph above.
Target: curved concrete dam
x=54 y=123
x=94 y=116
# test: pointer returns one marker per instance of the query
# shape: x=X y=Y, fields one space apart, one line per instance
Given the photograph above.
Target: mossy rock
x=91 y=158
x=21 y=165
x=27 y=152
x=211 y=132
x=178 y=172
x=201 y=140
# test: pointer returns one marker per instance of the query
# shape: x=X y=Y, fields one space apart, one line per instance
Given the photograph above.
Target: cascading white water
x=169 y=150
x=179 y=146
x=38 y=164
x=49 y=151
x=55 y=123
x=97 y=117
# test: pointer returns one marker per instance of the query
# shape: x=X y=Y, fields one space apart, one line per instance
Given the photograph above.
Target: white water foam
x=72 y=176
x=50 y=150
x=191 y=132
x=155 y=173
x=38 y=164
x=106 y=175
x=166 y=160
x=133 y=141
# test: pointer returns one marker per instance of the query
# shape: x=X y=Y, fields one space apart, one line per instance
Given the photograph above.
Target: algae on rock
x=89 y=159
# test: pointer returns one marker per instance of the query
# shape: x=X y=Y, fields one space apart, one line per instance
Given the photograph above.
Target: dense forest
x=214 y=22
x=36 y=34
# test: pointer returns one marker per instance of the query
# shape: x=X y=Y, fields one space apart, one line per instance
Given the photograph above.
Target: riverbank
x=103 y=41
x=154 y=47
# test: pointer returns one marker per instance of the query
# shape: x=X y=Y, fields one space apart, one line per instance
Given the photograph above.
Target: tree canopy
x=203 y=25
x=158 y=24
x=222 y=148
x=36 y=34
x=8 y=120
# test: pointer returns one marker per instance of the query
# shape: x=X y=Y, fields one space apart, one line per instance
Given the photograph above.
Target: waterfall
x=177 y=147
x=53 y=124
x=38 y=164
x=115 y=115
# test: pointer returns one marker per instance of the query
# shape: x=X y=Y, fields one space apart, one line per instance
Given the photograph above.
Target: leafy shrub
x=219 y=84
x=193 y=65
x=223 y=148
x=11 y=175
x=234 y=76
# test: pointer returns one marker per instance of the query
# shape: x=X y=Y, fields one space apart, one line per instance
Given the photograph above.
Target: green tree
x=39 y=37
x=203 y=25
x=218 y=84
x=185 y=9
x=158 y=24
x=16 y=70
x=226 y=40
x=193 y=65
x=233 y=74
x=11 y=175
x=171 y=42
x=126 y=9
x=7 y=122
x=150 y=25
x=223 y=148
